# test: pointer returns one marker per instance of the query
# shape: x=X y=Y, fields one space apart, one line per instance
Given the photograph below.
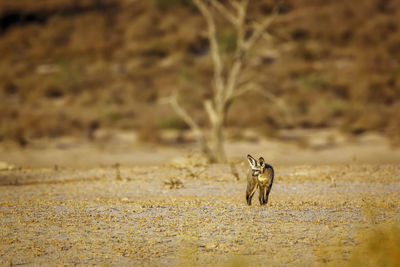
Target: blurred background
x=85 y=68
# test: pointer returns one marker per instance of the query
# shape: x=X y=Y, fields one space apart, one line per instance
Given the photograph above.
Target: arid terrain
x=182 y=211
x=102 y=102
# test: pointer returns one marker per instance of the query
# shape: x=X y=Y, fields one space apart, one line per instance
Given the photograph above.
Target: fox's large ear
x=252 y=161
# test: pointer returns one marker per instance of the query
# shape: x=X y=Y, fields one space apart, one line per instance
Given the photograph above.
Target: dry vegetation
x=327 y=215
x=70 y=67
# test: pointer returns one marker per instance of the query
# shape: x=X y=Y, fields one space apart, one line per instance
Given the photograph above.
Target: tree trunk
x=217 y=141
x=225 y=82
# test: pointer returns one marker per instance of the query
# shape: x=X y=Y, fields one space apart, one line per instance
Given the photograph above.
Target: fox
x=261 y=176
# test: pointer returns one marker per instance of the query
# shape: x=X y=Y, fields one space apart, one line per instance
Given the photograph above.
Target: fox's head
x=257 y=167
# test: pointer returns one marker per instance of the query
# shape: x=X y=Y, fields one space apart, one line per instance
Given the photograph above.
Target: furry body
x=260 y=177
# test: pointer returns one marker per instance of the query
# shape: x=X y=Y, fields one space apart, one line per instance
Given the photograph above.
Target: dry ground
x=132 y=216
x=295 y=147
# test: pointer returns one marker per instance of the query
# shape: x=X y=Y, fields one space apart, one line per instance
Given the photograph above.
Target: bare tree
x=226 y=78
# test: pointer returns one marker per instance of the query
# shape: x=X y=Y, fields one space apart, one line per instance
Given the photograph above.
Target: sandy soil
x=132 y=216
x=67 y=202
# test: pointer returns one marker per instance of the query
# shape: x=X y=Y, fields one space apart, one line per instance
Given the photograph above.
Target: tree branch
x=182 y=113
x=235 y=3
x=240 y=27
x=173 y=101
x=232 y=79
x=261 y=27
x=267 y=94
x=212 y=36
x=240 y=50
x=210 y=111
x=255 y=88
x=224 y=11
x=225 y=85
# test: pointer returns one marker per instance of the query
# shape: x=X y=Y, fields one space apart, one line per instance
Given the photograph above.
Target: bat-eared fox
x=261 y=176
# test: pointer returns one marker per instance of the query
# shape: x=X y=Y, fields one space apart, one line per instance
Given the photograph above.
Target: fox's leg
x=251 y=189
x=267 y=190
x=263 y=196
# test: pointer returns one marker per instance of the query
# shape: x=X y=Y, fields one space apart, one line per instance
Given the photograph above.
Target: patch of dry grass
x=379 y=246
